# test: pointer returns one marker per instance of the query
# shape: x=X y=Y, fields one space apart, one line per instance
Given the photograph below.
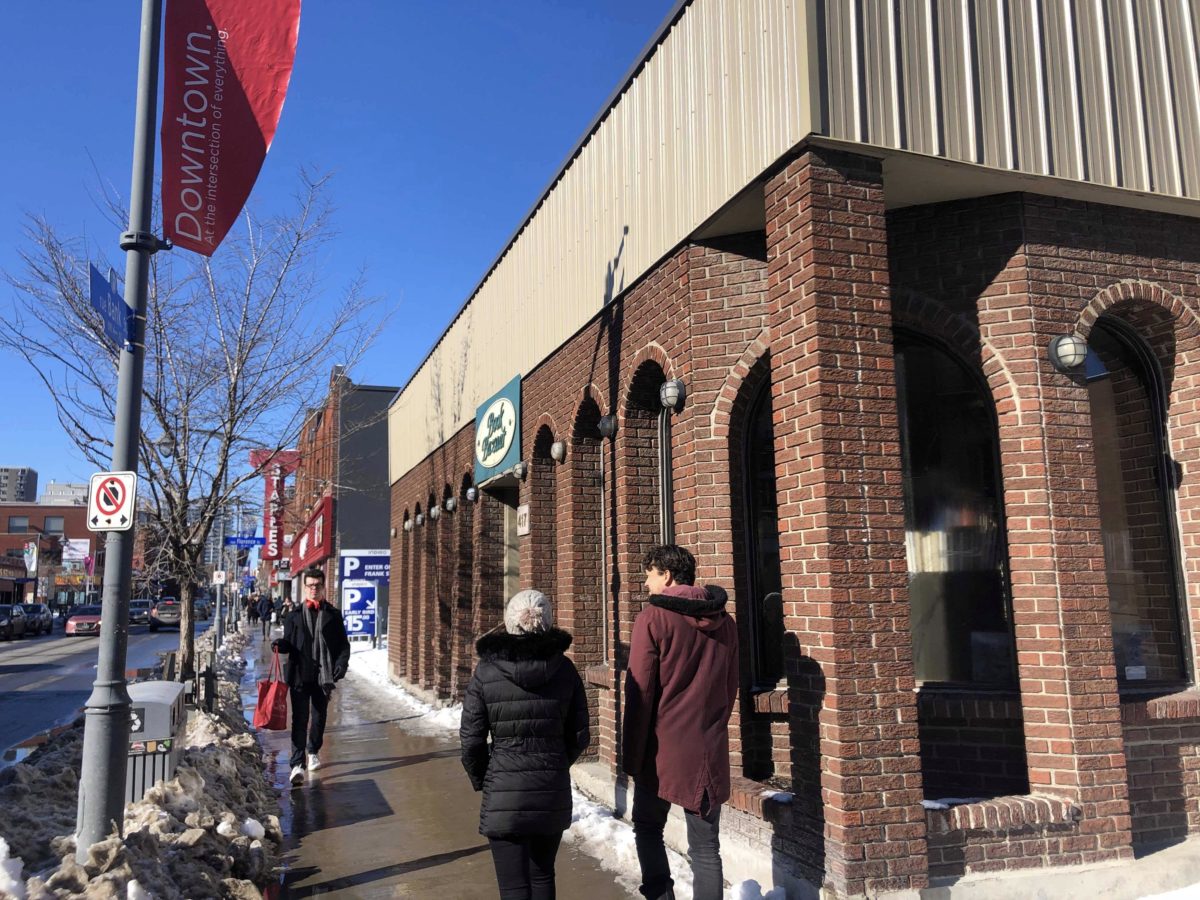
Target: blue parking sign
x=359 y=606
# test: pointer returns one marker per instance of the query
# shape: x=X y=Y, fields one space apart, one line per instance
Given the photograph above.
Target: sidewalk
x=390 y=813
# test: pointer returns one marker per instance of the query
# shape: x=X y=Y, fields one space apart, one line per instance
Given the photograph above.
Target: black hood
x=529 y=660
x=706 y=602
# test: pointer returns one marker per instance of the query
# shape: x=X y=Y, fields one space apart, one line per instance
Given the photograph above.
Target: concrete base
x=746 y=853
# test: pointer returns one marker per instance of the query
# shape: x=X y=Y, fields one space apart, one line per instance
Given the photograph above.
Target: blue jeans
x=704 y=847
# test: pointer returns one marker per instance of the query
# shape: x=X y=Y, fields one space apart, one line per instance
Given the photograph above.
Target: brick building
x=930 y=281
x=60 y=582
x=340 y=500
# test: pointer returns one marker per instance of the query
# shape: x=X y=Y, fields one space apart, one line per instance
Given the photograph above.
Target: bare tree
x=238 y=349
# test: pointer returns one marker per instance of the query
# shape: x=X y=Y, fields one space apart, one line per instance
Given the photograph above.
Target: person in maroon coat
x=679 y=693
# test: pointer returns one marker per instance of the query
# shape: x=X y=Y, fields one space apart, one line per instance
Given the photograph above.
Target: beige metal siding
x=724 y=95
x=1103 y=91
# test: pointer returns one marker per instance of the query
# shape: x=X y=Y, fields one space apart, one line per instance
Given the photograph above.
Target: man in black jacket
x=314 y=638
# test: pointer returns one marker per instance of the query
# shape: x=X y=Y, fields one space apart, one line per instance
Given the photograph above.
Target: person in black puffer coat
x=529 y=698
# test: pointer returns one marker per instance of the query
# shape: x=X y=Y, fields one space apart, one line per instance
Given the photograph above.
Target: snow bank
x=11 y=882
x=209 y=832
x=426 y=718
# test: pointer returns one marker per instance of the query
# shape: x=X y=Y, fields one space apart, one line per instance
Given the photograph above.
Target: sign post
x=106 y=725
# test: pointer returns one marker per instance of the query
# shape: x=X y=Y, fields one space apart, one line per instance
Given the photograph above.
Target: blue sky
x=441 y=121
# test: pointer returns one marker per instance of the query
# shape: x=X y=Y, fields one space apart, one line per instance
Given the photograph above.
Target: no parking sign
x=359 y=606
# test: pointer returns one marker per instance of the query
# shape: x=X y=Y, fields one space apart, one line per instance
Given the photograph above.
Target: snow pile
x=752 y=890
x=1188 y=893
x=11 y=882
x=600 y=834
x=422 y=717
x=205 y=833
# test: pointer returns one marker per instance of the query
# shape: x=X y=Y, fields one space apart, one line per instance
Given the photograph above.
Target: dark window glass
x=18 y=524
x=762 y=527
x=55 y=524
x=954 y=527
x=1125 y=390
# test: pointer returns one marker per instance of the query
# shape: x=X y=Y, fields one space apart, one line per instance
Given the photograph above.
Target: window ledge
x=1172 y=707
x=600 y=675
x=1003 y=814
x=759 y=800
x=770 y=701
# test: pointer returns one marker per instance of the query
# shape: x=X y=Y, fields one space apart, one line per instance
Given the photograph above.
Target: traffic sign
x=111 y=497
x=219 y=576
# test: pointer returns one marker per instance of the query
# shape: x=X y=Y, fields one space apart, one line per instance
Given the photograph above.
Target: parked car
x=12 y=622
x=83 y=620
x=203 y=609
x=39 y=619
x=167 y=612
x=139 y=611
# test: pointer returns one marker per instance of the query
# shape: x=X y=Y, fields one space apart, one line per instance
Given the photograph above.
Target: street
x=46 y=680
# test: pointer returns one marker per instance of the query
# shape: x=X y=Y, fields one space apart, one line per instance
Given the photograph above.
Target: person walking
x=314 y=638
x=679 y=693
x=529 y=698
x=252 y=611
x=263 y=611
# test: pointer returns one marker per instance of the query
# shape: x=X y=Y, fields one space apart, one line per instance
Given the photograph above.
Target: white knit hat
x=527 y=612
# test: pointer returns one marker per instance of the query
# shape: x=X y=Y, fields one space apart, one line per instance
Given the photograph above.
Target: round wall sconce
x=671 y=394
x=558 y=451
x=420 y=518
x=472 y=494
x=451 y=504
x=408 y=524
x=1068 y=352
x=521 y=469
x=393 y=531
x=607 y=426
x=435 y=513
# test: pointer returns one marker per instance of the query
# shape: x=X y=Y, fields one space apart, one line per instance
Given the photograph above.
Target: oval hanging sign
x=495 y=434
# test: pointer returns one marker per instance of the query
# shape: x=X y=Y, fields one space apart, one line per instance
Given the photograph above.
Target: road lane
x=45 y=681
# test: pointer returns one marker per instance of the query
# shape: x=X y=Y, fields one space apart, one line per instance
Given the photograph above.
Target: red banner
x=315 y=543
x=227 y=65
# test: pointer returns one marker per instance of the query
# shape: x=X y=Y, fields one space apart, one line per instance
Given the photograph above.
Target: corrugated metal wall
x=724 y=95
x=1102 y=91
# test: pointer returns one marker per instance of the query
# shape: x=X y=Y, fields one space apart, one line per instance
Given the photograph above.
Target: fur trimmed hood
x=529 y=660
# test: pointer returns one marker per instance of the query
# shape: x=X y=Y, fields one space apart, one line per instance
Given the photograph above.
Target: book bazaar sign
x=498 y=431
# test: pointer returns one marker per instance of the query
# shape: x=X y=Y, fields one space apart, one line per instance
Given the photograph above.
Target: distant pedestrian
x=679 y=693
x=252 y=612
x=528 y=697
x=314 y=638
x=263 y=610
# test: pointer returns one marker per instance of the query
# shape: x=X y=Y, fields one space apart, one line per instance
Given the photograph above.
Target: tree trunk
x=187 y=630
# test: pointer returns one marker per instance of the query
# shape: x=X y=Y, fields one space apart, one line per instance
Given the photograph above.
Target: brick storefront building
x=960 y=569
x=51 y=526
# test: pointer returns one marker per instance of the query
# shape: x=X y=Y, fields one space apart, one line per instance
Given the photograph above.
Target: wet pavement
x=390 y=813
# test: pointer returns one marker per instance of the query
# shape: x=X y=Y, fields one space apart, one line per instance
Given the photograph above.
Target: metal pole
x=106 y=726
x=218 y=615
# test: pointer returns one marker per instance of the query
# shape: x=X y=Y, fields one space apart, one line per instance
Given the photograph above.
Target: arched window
x=954 y=526
x=1135 y=483
x=762 y=542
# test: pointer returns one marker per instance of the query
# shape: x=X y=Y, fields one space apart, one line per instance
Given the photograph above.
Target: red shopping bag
x=271 y=712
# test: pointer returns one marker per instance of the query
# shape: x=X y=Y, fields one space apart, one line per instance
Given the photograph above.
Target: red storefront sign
x=227 y=64
x=275 y=467
x=316 y=540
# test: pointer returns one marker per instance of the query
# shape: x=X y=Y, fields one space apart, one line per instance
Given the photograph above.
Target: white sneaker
x=314 y=762
x=297 y=775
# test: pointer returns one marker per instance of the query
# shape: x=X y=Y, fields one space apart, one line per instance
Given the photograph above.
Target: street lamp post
x=106 y=728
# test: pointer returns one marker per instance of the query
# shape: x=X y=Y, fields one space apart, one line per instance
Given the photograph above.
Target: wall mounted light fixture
x=393 y=531
x=420 y=518
x=521 y=469
x=558 y=451
x=1068 y=352
x=671 y=394
x=408 y=524
x=451 y=504
x=472 y=494
x=435 y=513
x=607 y=426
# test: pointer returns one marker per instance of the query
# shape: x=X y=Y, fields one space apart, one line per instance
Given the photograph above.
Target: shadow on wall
x=800 y=838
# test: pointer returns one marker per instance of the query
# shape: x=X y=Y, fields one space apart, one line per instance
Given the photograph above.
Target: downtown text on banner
x=227 y=65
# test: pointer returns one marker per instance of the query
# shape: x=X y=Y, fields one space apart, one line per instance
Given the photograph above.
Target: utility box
x=156 y=723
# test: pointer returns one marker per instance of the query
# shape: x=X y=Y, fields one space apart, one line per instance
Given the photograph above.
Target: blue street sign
x=244 y=543
x=107 y=300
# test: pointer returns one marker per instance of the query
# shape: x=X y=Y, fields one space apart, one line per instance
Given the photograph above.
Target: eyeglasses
x=313 y=587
